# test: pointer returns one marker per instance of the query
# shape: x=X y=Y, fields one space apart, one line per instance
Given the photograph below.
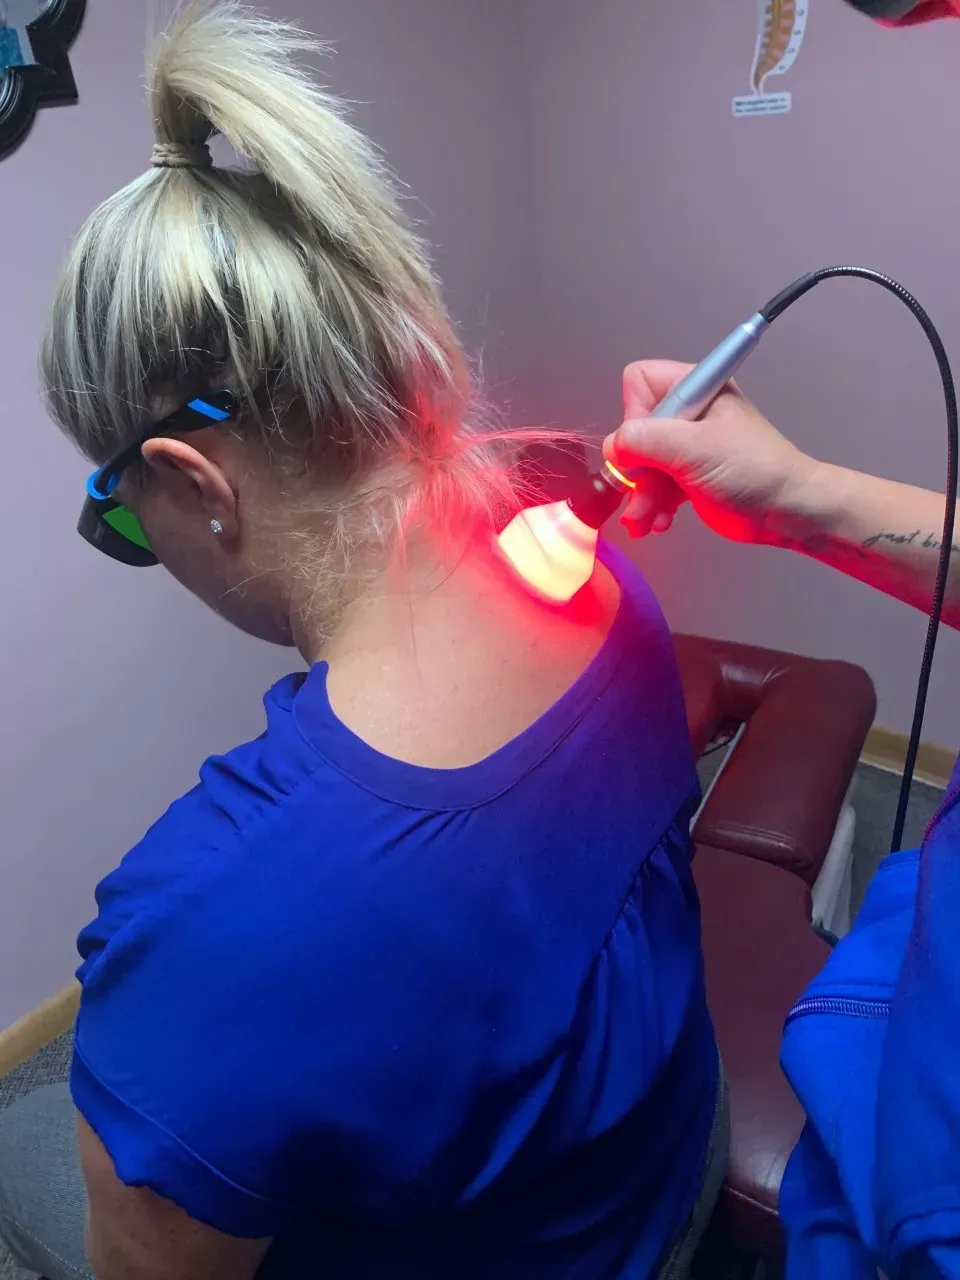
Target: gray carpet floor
x=875 y=801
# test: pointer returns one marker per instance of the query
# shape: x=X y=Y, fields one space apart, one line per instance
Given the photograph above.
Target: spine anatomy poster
x=781 y=26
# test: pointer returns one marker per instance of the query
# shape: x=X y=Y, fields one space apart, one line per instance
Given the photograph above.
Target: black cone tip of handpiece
x=595 y=500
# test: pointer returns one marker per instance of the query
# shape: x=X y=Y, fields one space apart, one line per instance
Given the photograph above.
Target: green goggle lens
x=127 y=525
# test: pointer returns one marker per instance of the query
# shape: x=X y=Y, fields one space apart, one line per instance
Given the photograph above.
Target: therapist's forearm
x=878 y=531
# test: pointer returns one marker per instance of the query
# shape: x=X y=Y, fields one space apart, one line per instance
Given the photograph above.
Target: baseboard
x=888 y=750
x=38 y=1028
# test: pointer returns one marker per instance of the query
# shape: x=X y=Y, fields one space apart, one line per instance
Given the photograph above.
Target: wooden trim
x=38 y=1028
x=888 y=750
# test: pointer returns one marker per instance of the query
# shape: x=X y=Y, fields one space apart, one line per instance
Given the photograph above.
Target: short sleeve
x=159 y=1075
x=145 y=1154
x=234 y=1029
x=172 y=1046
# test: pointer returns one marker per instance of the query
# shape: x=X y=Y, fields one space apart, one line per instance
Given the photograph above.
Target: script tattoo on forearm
x=915 y=538
x=828 y=546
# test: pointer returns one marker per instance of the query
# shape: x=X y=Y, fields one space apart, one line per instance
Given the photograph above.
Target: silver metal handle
x=702 y=385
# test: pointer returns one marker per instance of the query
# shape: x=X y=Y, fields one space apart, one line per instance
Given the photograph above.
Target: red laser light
x=551 y=550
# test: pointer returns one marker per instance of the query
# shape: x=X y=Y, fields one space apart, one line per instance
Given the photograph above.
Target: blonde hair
x=295 y=281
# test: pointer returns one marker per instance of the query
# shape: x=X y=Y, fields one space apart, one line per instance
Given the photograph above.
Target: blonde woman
x=411 y=985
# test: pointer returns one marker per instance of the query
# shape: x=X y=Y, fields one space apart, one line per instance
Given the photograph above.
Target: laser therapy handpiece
x=604 y=491
x=552 y=548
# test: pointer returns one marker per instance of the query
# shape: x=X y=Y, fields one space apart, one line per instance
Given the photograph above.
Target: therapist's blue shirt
x=873 y=1052
x=416 y=1022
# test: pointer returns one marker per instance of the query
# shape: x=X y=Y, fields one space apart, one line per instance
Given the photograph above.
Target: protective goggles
x=110 y=526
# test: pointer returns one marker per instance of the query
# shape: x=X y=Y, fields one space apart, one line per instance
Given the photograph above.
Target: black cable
x=773 y=309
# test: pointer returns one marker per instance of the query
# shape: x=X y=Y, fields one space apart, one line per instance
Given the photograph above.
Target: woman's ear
x=193 y=479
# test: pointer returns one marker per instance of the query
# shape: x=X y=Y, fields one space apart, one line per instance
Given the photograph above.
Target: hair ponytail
x=295 y=280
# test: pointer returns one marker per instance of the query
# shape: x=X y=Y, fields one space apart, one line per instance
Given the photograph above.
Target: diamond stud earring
x=216 y=527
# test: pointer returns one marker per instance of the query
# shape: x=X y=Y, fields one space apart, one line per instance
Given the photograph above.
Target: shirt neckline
x=417 y=786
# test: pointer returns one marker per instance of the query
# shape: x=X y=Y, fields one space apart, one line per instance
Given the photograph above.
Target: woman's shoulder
x=234 y=797
x=640 y=602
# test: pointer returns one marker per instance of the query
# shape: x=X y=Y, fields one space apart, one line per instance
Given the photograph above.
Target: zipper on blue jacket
x=945 y=805
x=846 y=1006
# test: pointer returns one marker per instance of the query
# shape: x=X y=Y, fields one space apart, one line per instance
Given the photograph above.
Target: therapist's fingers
x=648 y=451
x=652 y=505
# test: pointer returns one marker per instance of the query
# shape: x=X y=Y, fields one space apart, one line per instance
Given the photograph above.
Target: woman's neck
x=443 y=659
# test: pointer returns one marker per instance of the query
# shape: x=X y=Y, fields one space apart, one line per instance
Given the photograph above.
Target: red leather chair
x=806 y=722
x=762 y=839
x=760 y=954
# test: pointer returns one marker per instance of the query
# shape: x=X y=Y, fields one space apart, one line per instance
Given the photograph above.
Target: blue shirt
x=873 y=1052
x=419 y=1022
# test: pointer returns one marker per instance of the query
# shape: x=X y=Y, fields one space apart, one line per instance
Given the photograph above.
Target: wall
x=114 y=685
x=662 y=222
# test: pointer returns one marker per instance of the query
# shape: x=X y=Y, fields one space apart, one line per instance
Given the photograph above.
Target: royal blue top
x=419 y=1022
x=873 y=1052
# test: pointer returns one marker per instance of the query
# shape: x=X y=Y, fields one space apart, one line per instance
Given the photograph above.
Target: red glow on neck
x=551 y=550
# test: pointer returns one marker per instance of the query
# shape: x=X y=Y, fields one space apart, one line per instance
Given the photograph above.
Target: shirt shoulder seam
x=167 y=1134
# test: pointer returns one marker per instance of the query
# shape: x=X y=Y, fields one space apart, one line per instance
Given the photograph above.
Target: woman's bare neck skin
x=440 y=668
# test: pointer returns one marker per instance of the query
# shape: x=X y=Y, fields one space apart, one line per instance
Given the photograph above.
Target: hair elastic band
x=180 y=155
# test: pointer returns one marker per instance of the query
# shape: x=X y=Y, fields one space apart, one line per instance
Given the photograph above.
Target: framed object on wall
x=35 y=71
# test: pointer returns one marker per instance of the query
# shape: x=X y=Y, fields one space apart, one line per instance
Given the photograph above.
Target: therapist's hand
x=736 y=469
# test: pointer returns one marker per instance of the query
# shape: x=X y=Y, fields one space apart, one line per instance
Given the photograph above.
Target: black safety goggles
x=112 y=527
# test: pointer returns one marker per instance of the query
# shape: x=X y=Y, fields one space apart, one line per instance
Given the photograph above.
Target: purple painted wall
x=662 y=222
x=114 y=685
